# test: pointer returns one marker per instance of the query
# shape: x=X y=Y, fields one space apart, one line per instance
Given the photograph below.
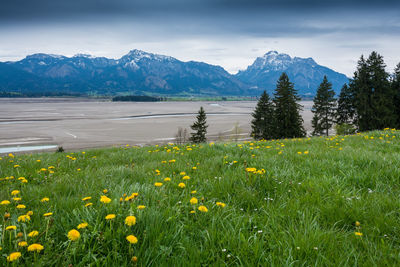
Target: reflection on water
x=12 y=149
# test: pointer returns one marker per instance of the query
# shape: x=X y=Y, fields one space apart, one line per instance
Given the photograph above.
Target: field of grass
x=302 y=202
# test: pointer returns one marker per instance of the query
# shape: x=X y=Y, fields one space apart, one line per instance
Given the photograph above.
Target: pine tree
x=345 y=110
x=396 y=90
x=323 y=108
x=263 y=123
x=289 y=123
x=200 y=128
x=373 y=94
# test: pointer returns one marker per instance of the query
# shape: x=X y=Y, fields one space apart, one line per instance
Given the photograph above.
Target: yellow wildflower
x=182 y=173
x=86 y=198
x=73 y=235
x=20 y=206
x=358 y=223
x=33 y=234
x=141 y=207
x=203 y=209
x=83 y=225
x=35 y=248
x=130 y=220
x=14 y=256
x=88 y=204
x=167 y=179
x=220 y=204
x=194 y=192
x=110 y=216
x=105 y=199
x=47 y=214
x=5 y=202
x=20 y=234
x=186 y=177
x=11 y=227
x=193 y=201
x=105 y=191
x=358 y=234
x=45 y=199
x=158 y=184
x=29 y=213
x=15 y=192
x=16 y=199
x=24 y=218
x=132 y=239
x=134 y=259
x=22 y=244
x=181 y=185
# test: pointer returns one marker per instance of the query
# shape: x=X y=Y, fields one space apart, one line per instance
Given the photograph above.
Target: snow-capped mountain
x=139 y=72
x=305 y=73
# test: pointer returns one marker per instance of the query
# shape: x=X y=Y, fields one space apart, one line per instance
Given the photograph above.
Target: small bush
x=344 y=128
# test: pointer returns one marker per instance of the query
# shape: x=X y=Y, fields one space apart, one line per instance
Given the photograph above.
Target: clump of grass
x=313 y=201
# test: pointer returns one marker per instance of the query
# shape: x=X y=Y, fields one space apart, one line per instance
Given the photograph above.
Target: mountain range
x=143 y=73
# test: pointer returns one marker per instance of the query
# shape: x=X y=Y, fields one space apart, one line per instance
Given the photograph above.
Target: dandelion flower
x=192 y=211
x=35 y=248
x=47 y=214
x=14 y=256
x=29 y=213
x=73 y=235
x=158 y=184
x=88 y=204
x=185 y=177
x=220 y=204
x=105 y=191
x=16 y=199
x=11 y=227
x=130 y=220
x=167 y=179
x=194 y=192
x=86 y=198
x=22 y=244
x=141 y=207
x=358 y=233
x=15 y=192
x=45 y=199
x=20 y=206
x=203 y=209
x=83 y=225
x=105 y=199
x=193 y=201
x=110 y=216
x=5 y=202
x=33 y=234
x=182 y=173
x=134 y=259
x=181 y=185
x=24 y=218
x=20 y=234
x=132 y=239
x=358 y=223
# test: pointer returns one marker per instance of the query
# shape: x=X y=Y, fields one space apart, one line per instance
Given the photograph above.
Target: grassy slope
x=302 y=211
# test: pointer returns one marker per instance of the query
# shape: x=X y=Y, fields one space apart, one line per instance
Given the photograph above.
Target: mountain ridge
x=140 y=72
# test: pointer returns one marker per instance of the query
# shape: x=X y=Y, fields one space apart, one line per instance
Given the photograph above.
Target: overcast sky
x=229 y=33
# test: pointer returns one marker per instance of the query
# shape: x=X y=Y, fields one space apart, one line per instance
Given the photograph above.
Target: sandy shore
x=79 y=123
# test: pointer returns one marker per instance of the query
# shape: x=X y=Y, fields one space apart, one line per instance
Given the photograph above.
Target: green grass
x=301 y=212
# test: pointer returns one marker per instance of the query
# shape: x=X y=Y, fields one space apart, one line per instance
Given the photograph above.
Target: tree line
x=370 y=101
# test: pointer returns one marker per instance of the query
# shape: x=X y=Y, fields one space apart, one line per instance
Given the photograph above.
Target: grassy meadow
x=299 y=202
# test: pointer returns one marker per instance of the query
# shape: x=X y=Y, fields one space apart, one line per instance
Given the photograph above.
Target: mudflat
x=85 y=123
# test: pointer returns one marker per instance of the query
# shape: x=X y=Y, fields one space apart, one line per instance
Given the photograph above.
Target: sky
x=229 y=33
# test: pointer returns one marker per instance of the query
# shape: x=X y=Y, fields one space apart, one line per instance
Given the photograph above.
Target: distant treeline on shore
x=39 y=94
x=138 y=98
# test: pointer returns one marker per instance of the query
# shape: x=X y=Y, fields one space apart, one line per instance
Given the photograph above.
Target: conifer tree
x=262 y=125
x=345 y=111
x=289 y=123
x=373 y=94
x=323 y=108
x=396 y=90
x=200 y=128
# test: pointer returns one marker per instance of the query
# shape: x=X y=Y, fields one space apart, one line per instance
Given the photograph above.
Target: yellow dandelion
x=15 y=192
x=11 y=227
x=5 y=202
x=20 y=206
x=22 y=244
x=24 y=218
x=193 y=201
x=110 y=216
x=35 y=248
x=132 y=239
x=203 y=209
x=86 y=198
x=14 y=256
x=130 y=220
x=105 y=199
x=88 y=204
x=16 y=199
x=134 y=259
x=141 y=207
x=358 y=223
x=220 y=204
x=158 y=184
x=29 y=213
x=45 y=199
x=73 y=235
x=358 y=233
x=167 y=179
x=182 y=173
x=47 y=214
x=105 y=191
x=33 y=234
x=194 y=192
x=181 y=185
x=192 y=211
x=82 y=225
x=186 y=177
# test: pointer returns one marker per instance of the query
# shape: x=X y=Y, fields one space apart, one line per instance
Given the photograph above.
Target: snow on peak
x=137 y=55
